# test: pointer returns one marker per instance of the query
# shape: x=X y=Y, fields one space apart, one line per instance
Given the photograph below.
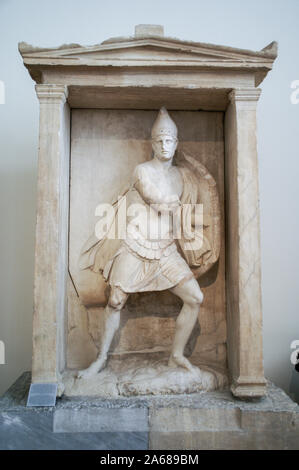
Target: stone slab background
x=106 y=145
x=228 y=23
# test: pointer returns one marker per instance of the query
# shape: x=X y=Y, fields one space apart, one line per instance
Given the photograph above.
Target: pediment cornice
x=150 y=51
x=125 y=49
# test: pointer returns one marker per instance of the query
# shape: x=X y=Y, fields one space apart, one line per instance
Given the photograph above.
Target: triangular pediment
x=149 y=50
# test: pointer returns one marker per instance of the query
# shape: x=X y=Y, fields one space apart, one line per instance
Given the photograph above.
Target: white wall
x=237 y=23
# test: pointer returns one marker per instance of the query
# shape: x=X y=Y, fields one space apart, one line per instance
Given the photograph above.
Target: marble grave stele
x=144 y=256
x=147 y=260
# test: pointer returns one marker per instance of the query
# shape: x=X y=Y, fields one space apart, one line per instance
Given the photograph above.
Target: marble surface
x=14 y=400
x=106 y=147
x=142 y=375
x=31 y=430
x=213 y=420
x=24 y=428
x=143 y=73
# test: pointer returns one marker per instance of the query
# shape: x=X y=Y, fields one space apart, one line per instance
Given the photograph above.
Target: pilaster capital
x=248 y=95
x=51 y=93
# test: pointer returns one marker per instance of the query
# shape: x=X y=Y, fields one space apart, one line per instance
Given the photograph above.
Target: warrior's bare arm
x=151 y=194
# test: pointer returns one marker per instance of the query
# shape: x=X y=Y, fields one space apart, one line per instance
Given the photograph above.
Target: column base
x=246 y=387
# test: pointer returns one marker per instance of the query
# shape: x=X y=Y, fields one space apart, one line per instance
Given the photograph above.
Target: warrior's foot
x=178 y=360
x=93 y=369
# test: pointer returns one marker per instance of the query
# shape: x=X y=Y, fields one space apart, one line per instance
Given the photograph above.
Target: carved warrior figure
x=138 y=262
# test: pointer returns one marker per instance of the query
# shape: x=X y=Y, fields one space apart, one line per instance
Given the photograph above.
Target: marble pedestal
x=207 y=420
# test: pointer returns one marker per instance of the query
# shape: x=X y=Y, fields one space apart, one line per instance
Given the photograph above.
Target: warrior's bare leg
x=116 y=302
x=192 y=296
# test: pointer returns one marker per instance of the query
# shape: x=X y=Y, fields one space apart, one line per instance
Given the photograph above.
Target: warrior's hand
x=172 y=200
x=169 y=204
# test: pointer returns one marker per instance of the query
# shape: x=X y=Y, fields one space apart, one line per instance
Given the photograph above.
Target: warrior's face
x=164 y=147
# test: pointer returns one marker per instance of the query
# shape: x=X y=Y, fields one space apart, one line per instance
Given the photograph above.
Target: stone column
x=244 y=308
x=51 y=252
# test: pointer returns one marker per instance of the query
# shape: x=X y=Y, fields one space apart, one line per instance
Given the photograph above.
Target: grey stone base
x=206 y=420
